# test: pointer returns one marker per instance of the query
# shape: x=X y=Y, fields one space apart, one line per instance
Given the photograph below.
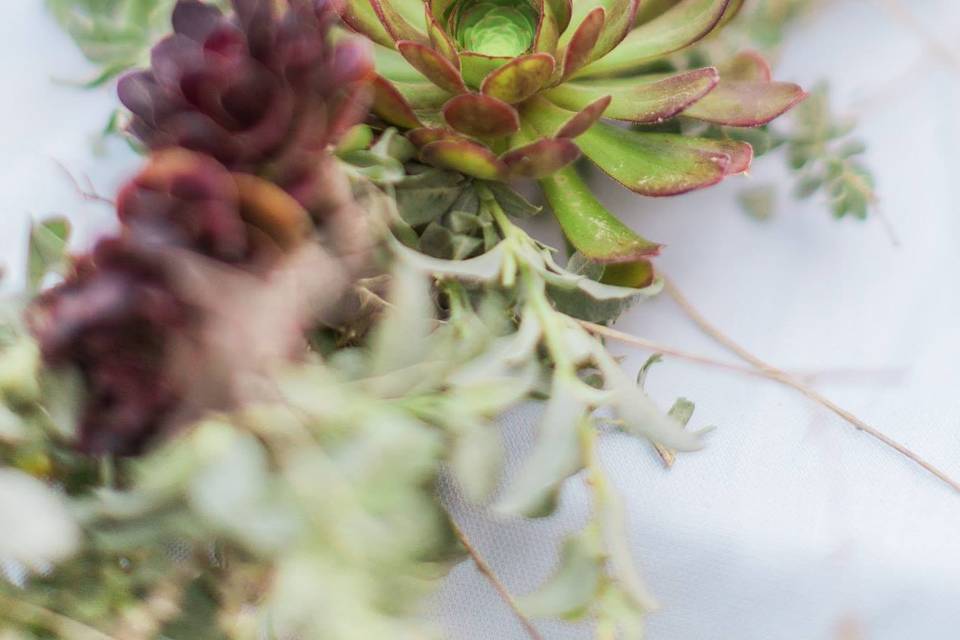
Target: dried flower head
x=257 y=89
x=111 y=320
x=189 y=200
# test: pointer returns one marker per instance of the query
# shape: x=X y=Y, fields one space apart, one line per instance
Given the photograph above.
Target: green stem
x=28 y=613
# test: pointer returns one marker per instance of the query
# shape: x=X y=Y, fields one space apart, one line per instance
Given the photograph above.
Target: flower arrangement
x=230 y=417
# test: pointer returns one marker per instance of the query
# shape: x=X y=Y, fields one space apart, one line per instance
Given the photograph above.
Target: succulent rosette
x=259 y=89
x=503 y=89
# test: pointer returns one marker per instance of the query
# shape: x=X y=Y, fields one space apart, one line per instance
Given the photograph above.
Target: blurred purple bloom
x=258 y=91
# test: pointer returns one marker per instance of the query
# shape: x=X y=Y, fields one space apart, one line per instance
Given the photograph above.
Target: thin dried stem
x=934 y=44
x=776 y=374
x=89 y=193
x=492 y=578
x=650 y=345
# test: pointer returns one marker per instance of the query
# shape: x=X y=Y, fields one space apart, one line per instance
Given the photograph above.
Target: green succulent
x=505 y=89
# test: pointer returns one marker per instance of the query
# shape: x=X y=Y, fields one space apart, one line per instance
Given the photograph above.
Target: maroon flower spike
x=112 y=320
x=258 y=91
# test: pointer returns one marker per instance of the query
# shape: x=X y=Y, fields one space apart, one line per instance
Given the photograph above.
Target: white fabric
x=790 y=525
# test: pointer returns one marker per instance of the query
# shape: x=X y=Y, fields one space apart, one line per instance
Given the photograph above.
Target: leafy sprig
x=827 y=158
x=116 y=35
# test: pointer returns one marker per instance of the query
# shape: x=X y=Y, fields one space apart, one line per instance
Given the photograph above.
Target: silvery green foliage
x=115 y=35
x=313 y=513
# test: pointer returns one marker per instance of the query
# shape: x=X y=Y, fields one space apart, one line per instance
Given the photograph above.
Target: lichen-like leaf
x=426 y=196
x=400 y=340
x=483 y=268
x=591 y=229
x=573 y=586
x=641 y=417
x=579 y=294
x=520 y=78
x=466 y=157
x=481 y=116
x=640 y=100
x=555 y=457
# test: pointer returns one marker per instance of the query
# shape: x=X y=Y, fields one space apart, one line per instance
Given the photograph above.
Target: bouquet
x=245 y=412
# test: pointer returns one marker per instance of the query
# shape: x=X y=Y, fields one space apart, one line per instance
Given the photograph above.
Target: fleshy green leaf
x=466 y=157
x=653 y=164
x=48 y=250
x=582 y=43
x=361 y=17
x=358 y=137
x=440 y=39
x=477 y=66
x=390 y=105
x=548 y=28
x=637 y=274
x=679 y=27
x=584 y=119
x=639 y=100
x=396 y=25
x=434 y=66
x=591 y=229
x=541 y=158
x=739 y=103
x=520 y=78
x=422 y=97
x=481 y=116
x=512 y=203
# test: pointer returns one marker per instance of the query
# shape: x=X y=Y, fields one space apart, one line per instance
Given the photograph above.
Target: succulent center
x=494 y=27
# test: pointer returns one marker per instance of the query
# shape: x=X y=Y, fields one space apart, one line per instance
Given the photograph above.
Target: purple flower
x=258 y=91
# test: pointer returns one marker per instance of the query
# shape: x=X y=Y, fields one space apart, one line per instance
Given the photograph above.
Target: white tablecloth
x=790 y=525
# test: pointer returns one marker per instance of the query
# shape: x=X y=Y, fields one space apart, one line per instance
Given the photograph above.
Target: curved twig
x=492 y=578
x=776 y=374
